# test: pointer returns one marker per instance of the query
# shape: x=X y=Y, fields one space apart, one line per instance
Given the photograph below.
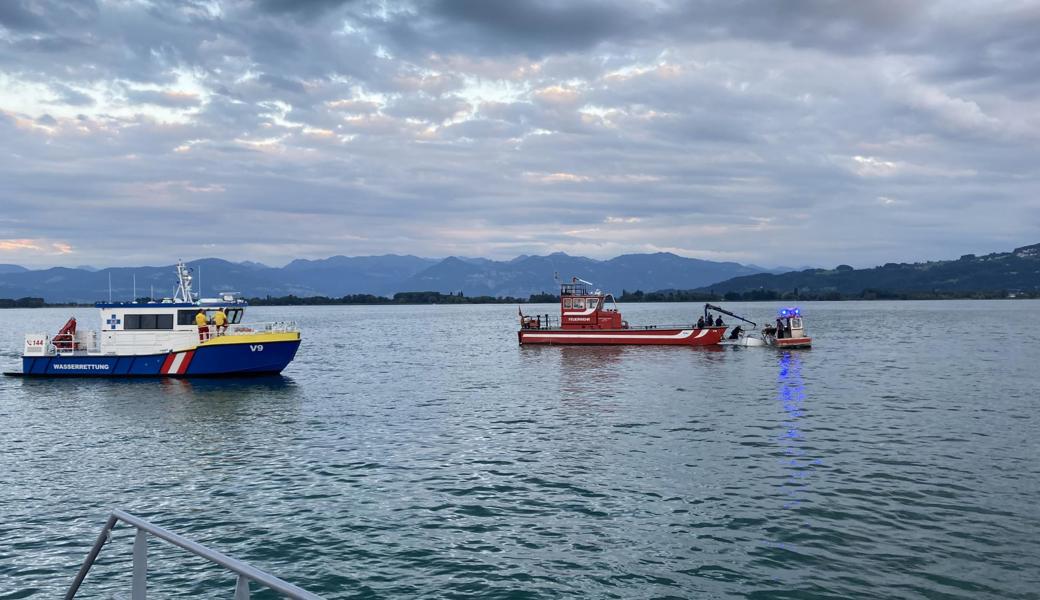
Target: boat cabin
x=132 y=327
x=583 y=308
x=789 y=324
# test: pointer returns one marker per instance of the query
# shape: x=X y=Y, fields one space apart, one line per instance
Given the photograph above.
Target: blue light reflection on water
x=792 y=397
x=792 y=525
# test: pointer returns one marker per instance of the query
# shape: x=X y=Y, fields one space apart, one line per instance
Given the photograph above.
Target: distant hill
x=1018 y=270
x=528 y=275
x=340 y=275
x=11 y=269
x=381 y=275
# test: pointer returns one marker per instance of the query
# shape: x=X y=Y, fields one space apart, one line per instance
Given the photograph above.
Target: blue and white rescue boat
x=161 y=339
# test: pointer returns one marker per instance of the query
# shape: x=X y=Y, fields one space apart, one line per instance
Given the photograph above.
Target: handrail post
x=242 y=588
x=140 y=580
x=94 y=551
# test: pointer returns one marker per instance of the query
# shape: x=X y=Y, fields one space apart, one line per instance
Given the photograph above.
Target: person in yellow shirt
x=220 y=321
x=203 y=325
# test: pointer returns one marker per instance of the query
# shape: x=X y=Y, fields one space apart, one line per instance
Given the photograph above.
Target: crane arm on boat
x=708 y=307
x=65 y=339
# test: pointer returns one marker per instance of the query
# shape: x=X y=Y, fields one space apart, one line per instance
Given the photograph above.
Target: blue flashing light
x=790 y=312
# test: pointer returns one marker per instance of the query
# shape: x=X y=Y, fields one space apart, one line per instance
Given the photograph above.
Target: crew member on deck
x=718 y=321
x=203 y=325
x=700 y=323
x=220 y=321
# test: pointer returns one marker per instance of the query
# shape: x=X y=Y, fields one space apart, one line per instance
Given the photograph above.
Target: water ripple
x=422 y=459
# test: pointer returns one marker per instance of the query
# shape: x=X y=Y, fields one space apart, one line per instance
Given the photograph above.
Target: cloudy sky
x=778 y=132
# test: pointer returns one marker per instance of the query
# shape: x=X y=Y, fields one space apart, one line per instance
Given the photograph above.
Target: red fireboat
x=586 y=318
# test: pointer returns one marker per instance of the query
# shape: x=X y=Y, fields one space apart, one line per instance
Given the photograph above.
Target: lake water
x=419 y=452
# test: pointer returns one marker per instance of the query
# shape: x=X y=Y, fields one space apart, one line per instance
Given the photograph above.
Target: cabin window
x=579 y=303
x=187 y=317
x=148 y=322
x=566 y=302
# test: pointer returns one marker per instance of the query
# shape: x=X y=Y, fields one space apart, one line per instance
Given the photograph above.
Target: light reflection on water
x=792 y=396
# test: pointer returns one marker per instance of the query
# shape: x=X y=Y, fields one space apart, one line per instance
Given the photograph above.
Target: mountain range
x=381 y=275
x=337 y=276
x=1018 y=270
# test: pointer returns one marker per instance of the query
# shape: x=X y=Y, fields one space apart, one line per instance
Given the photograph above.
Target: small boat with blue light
x=789 y=331
x=165 y=338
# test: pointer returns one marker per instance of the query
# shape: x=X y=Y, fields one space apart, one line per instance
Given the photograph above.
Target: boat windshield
x=187 y=317
x=573 y=289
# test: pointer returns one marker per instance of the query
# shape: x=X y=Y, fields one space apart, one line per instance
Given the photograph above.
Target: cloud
x=302 y=8
x=465 y=127
x=21 y=247
x=167 y=99
x=19 y=15
x=71 y=97
x=16 y=245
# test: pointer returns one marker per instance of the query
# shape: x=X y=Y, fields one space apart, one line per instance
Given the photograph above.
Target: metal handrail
x=246 y=572
x=70 y=343
x=264 y=327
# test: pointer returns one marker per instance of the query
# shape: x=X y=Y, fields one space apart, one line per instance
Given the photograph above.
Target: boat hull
x=798 y=342
x=264 y=354
x=707 y=336
x=746 y=342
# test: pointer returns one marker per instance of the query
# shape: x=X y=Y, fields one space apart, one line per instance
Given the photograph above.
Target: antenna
x=183 y=293
x=110 y=287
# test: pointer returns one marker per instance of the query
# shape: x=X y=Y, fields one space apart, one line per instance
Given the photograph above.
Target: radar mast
x=184 y=293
